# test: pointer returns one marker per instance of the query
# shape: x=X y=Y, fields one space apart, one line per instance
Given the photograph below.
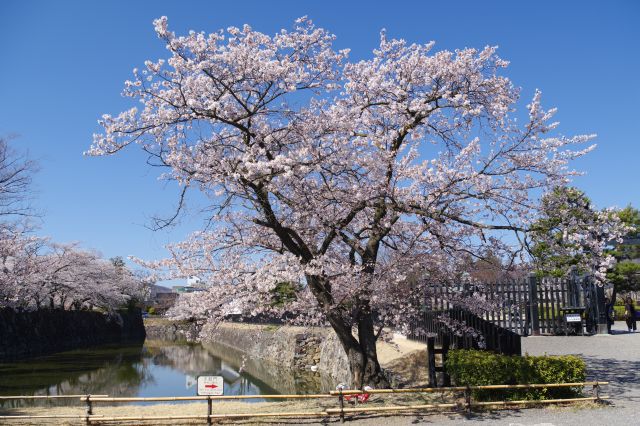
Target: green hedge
x=619 y=312
x=477 y=368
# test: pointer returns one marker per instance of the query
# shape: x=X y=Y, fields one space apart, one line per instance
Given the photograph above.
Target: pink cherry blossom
x=361 y=182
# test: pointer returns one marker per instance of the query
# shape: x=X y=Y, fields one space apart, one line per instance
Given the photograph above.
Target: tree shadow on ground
x=623 y=376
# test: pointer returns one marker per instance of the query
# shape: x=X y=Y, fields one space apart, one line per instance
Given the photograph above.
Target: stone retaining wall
x=31 y=333
x=313 y=349
x=165 y=329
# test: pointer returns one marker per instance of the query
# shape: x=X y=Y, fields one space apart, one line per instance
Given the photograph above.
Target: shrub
x=283 y=293
x=152 y=311
x=477 y=368
x=618 y=310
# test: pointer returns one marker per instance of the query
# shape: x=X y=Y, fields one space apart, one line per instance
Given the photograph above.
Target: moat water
x=155 y=368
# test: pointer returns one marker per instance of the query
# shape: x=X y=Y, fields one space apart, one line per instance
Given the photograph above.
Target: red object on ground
x=360 y=397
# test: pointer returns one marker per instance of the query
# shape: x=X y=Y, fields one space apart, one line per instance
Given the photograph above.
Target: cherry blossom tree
x=16 y=171
x=19 y=262
x=74 y=278
x=18 y=249
x=38 y=274
x=347 y=178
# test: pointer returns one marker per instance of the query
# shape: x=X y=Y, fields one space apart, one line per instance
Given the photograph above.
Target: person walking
x=630 y=314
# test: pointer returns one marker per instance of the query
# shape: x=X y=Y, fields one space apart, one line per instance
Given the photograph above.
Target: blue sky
x=63 y=65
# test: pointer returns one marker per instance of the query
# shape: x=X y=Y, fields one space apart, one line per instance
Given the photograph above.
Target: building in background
x=161 y=298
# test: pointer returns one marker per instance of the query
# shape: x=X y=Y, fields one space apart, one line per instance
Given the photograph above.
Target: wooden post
x=431 y=361
x=467 y=399
x=596 y=392
x=601 y=310
x=446 y=379
x=533 y=305
x=89 y=409
x=209 y=410
x=341 y=399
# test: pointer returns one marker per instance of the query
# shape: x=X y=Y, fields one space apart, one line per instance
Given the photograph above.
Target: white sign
x=210 y=385
x=573 y=318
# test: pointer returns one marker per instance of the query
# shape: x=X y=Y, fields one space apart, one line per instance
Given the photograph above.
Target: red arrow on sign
x=210 y=386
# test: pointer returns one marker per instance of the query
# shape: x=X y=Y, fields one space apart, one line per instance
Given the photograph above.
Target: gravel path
x=614 y=358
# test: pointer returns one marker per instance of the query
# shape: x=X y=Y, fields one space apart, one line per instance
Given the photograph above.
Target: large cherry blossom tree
x=360 y=182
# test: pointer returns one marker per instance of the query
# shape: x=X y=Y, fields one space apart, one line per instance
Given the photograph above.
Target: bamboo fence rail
x=89 y=417
x=362 y=408
x=205 y=398
x=463 y=388
x=49 y=396
x=541 y=401
x=52 y=416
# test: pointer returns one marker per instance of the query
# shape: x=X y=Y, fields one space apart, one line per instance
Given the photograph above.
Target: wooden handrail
x=89 y=399
x=537 y=401
x=463 y=388
x=217 y=416
x=205 y=398
x=363 y=408
x=48 y=396
x=54 y=416
x=408 y=390
x=331 y=394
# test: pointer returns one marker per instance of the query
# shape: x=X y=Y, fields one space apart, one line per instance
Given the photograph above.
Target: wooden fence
x=340 y=396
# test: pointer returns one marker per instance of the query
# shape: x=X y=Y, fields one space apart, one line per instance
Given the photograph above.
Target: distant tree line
x=38 y=273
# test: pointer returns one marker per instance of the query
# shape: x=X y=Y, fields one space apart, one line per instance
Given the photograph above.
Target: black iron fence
x=508 y=310
x=529 y=306
x=461 y=329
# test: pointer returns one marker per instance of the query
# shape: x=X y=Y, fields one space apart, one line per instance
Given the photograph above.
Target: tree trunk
x=361 y=352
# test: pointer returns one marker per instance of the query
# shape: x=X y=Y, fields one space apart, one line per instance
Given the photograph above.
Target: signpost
x=210 y=385
x=573 y=318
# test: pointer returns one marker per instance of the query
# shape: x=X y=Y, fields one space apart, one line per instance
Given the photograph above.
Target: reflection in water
x=283 y=381
x=157 y=368
x=109 y=369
